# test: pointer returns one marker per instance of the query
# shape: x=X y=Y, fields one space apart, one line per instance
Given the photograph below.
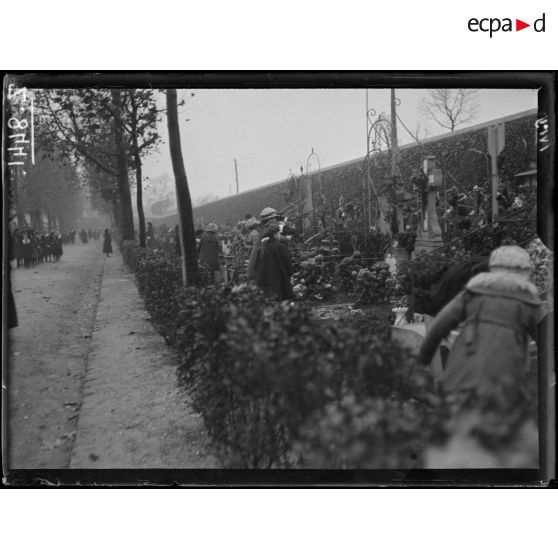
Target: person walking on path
x=56 y=246
x=500 y=309
x=273 y=264
x=107 y=243
x=209 y=249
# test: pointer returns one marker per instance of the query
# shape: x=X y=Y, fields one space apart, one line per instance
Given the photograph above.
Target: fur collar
x=506 y=283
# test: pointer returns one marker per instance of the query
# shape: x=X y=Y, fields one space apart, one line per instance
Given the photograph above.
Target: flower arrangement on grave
x=374 y=285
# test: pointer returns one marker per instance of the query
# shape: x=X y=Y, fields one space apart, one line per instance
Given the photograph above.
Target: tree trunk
x=115 y=215
x=14 y=181
x=184 y=202
x=139 y=195
x=36 y=219
x=139 y=184
x=21 y=220
x=126 y=222
x=49 y=220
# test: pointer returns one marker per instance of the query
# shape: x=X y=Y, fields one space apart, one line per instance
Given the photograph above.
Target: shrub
x=541 y=275
x=159 y=281
x=374 y=285
x=366 y=434
x=277 y=388
x=406 y=240
x=346 y=274
x=257 y=370
x=314 y=279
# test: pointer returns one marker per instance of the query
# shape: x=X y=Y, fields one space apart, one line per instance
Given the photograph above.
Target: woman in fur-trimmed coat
x=499 y=311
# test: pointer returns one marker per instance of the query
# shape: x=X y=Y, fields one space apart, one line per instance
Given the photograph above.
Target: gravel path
x=47 y=359
x=91 y=384
x=133 y=414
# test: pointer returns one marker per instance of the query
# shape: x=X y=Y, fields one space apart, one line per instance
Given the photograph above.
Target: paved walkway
x=133 y=414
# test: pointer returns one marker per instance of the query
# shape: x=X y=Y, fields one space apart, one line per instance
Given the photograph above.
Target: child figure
x=499 y=310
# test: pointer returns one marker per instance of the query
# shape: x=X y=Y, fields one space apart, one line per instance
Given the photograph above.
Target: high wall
x=462 y=167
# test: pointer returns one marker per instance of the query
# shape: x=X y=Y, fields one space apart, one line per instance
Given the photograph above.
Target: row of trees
x=49 y=189
x=105 y=134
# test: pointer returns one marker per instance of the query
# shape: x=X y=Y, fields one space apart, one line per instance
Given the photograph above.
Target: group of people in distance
x=269 y=263
x=95 y=234
x=30 y=248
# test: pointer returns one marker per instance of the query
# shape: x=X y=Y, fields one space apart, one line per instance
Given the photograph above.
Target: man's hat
x=268 y=213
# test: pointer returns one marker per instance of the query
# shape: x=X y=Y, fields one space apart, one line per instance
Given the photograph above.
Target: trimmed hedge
x=277 y=388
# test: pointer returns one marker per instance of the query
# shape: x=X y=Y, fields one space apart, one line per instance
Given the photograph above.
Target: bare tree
x=450 y=107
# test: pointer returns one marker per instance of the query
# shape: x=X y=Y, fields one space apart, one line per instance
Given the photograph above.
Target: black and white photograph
x=328 y=279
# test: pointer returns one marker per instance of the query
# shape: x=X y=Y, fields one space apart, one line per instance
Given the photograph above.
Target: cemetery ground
x=221 y=376
x=91 y=384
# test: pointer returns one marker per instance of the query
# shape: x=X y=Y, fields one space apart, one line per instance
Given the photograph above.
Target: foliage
x=51 y=187
x=519 y=151
x=347 y=272
x=542 y=270
x=374 y=285
x=374 y=244
x=81 y=125
x=516 y=227
x=159 y=280
x=370 y=433
x=496 y=429
x=277 y=388
x=406 y=240
x=313 y=280
x=257 y=370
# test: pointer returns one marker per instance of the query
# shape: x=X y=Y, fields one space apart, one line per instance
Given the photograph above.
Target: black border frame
x=544 y=81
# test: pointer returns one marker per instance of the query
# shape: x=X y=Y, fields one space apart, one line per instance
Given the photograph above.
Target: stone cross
x=429 y=232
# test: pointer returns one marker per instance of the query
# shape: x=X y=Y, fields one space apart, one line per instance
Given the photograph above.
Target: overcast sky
x=273 y=131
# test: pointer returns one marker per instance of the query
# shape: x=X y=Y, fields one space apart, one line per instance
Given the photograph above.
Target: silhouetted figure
x=107 y=243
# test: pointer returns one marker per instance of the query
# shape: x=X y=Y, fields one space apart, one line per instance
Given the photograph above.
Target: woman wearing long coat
x=499 y=310
x=273 y=264
x=56 y=246
x=107 y=243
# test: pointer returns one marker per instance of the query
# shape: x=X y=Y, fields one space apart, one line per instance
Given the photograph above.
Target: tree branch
x=76 y=144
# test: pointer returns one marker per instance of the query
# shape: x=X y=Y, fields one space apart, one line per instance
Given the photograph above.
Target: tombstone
x=429 y=232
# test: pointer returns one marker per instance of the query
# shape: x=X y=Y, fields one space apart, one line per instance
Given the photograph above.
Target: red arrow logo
x=519 y=25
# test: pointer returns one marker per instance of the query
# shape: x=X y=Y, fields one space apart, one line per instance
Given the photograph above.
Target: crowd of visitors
x=29 y=247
